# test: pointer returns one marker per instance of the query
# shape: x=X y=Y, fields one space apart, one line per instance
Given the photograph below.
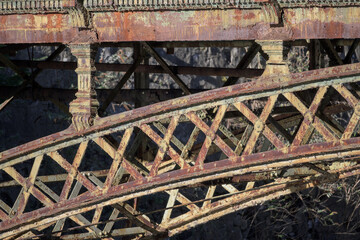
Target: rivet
x=258 y=126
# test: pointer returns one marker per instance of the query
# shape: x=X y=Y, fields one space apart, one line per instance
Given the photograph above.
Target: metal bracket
x=273 y=12
x=80 y=17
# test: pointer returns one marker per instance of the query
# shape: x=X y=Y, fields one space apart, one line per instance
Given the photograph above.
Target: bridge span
x=242 y=144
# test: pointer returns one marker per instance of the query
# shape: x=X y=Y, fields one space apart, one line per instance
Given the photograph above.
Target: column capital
x=276 y=64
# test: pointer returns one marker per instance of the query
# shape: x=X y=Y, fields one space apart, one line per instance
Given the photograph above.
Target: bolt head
x=259 y=126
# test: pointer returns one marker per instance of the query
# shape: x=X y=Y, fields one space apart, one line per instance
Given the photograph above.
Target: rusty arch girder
x=174 y=167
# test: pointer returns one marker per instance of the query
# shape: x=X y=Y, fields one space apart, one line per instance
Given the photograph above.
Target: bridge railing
x=30 y=6
x=179 y=4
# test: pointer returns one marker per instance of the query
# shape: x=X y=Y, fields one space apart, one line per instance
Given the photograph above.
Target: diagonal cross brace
x=310 y=118
x=260 y=125
x=27 y=78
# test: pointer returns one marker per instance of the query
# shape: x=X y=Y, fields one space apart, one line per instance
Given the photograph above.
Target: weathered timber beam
x=202 y=71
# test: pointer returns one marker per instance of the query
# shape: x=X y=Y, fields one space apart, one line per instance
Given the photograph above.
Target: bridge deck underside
x=242 y=145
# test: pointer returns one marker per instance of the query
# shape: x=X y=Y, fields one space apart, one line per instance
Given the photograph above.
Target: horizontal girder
x=191 y=25
x=26 y=6
x=202 y=71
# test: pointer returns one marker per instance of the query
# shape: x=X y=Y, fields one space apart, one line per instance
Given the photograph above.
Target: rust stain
x=249 y=15
x=178 y=171
x=191 y=25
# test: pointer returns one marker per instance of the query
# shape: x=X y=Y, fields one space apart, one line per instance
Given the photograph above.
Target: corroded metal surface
x=84 y=107
x=242 y=144
x=23 y=6
x=239 y=24
x=245 y=168
x=190 y=25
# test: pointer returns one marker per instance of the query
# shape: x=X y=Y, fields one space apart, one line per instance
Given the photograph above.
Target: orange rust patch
x=249 y=15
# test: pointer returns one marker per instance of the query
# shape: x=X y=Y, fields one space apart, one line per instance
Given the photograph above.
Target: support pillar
x=84 y=107
x=276 y=64
x=314 y=54
x=142 y=81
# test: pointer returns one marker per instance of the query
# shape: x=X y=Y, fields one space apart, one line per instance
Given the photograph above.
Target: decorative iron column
x=276 y=63
x=84 y=107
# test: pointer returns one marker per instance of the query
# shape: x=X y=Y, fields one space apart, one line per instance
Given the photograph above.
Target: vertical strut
x=84 y=107
x=314 y=54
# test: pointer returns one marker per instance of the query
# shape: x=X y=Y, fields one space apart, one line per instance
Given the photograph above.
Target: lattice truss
x=181 y=163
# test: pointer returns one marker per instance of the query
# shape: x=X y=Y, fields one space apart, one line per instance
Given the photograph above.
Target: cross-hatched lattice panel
x=193 y=158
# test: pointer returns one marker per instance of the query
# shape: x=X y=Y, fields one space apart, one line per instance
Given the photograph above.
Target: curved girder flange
x=262 y=87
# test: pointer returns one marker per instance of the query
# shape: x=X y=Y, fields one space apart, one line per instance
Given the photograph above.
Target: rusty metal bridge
x=242 y=144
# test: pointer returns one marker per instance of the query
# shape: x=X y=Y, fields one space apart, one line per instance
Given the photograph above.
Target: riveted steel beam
x=239 y=24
